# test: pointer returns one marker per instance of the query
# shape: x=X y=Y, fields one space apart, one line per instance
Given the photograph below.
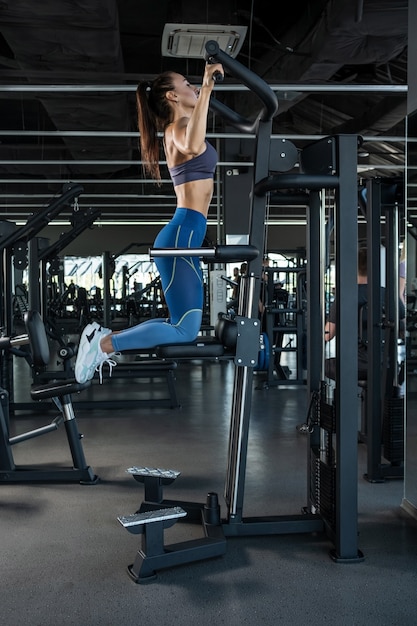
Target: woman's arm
x=329 y=331
x=189 y=133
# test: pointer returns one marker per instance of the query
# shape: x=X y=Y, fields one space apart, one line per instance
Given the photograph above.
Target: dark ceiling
x=68 y=70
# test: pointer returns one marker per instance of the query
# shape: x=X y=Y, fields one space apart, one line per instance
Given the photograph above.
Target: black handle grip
x=217 y=76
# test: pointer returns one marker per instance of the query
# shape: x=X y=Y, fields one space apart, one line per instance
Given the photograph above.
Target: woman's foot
x=90 y=356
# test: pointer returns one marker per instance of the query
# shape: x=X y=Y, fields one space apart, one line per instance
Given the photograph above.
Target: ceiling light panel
x=189 y=40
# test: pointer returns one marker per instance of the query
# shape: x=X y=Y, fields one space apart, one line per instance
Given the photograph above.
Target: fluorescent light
x=187 y=41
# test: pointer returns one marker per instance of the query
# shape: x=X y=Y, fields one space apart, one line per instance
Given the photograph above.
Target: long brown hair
x=154 y=114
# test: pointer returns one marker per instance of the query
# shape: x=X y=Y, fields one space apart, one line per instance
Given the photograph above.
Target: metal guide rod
x=238 y=431
x=248 y=304
x=13 y=342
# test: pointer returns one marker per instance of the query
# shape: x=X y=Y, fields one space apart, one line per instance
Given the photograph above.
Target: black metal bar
x=37 y=432
x=314 y=182
x=64 y=239
x=373 y=418
x=254 y=82
x=34 y=296
x=392 y=295
x=346 y=536
x=315 y=320
x=315 y=303
x=105 y=264
x=35 y=223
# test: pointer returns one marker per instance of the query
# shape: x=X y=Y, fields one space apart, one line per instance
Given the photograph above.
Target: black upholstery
x=221 y=346
x=39 y=346
x=60 y=392
x=226 y=332
x=38 y=339
x=202 y=347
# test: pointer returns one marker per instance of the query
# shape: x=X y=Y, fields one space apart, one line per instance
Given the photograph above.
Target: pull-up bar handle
x=256 y=84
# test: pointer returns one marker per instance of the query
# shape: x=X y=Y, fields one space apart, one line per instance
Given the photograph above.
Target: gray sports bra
x=198 y=168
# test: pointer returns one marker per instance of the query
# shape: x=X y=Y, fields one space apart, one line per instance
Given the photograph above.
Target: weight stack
x=328 y=493
x=393 y=430
x=323 y=489
x=315 y=478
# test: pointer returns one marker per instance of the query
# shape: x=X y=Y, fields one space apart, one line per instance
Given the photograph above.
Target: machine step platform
x=153 y=479
x=131 y=522
x=154 y=472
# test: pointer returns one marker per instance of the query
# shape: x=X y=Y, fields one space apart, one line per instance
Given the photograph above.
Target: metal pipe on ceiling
x=300 y=88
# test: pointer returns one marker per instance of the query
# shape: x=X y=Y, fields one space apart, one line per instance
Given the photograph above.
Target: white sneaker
x=90 y=357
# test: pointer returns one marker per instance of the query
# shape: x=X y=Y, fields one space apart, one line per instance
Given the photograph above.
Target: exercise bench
x=58 y=391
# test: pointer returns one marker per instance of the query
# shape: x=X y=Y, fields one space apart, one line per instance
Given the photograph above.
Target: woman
x=168 y=104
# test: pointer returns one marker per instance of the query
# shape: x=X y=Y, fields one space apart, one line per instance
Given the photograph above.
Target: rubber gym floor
x=65 y=555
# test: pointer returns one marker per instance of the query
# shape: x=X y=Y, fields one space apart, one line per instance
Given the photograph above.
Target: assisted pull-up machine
x=336 y=511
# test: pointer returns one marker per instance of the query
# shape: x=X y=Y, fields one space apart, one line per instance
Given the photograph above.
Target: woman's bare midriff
x=195 y=195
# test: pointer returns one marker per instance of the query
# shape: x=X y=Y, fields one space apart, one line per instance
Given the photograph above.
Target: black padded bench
x=236 y=339
x=202 y=348
x=220 y=346
x=58 y=394
x=233 y=336
x=164 y=364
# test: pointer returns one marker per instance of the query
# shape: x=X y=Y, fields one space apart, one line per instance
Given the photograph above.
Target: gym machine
x=48 y=258
x=383 y=422
x=332 y=457
x=285 y=328
x=59 y=392
x=17 y=250
x=16 y=246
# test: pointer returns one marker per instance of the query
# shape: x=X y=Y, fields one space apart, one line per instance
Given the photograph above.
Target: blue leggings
x=182 y=284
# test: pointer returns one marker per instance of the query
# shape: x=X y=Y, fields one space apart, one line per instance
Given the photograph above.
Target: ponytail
x=154 y=114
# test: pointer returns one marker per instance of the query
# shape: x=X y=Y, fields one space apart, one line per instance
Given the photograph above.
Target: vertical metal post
x=346 y=548
x=7 y=287
x=239 y=423
x=33 y=275
x=374 y=336
x=219 y=220
x=392 y=295
x=315 y=312
x=43 y=289
x=6 y=373
x=105 y=265
x=248 y=307
x=315 y=292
